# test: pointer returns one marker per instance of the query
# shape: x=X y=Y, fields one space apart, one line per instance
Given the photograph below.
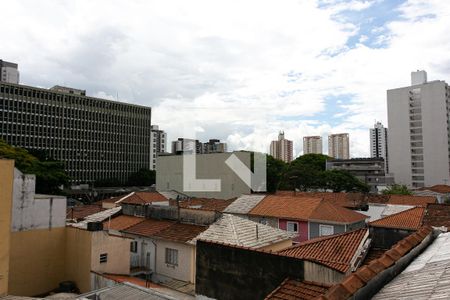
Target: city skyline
x=240 y=81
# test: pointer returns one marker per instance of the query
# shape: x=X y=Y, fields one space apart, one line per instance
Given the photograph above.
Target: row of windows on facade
x=171 y=255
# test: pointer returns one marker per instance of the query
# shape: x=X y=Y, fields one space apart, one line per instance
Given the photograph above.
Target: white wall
x=31 y=211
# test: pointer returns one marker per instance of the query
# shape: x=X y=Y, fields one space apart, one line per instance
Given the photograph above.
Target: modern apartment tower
x=158 y=142
x=312 y=144
x=282 y=149
x=379 y=143
x=339 y=146
x=183 y=145
x=95 y=138
x=9 y=72
x=418 y=140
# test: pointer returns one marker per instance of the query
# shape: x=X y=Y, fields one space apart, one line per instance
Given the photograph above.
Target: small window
x=103 y=257
x=292 y=226
x=263 y=221
x=326 y=230
x=172 y=256
x=133 y=246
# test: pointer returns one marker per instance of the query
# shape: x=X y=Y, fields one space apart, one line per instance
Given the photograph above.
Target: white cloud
x=238 y=70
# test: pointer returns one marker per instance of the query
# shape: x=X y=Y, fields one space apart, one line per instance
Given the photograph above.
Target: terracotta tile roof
x=81 y=212
x=438 y=188
x=143 y=198
x=204 y=204
x=122 y=222
x=437 y=215
x=298 y=290
x=109 y=200
x=349 y=200
x=179 y=232
x=149 y=227
x=304 y=208
x=401 y=199
x=409 y=219
x=334 y=251
x=363 y=275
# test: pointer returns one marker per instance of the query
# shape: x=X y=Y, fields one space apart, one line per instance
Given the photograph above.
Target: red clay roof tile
x=149 y=227
x=298 y=290
x=409 y=219
x=437 y=215
x=122 y=222
x=81 y=212
x=179 y=232
x=336 y=251
x=203 y=204
x=438 y=188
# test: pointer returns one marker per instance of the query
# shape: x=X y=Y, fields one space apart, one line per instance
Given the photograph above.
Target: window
x=172 y=256
x=326 y=230
x=103 y=257
x=263 y=221
x=292 y=226
x=133 y=246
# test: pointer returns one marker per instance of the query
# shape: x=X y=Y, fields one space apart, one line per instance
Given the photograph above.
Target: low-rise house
x=440 y=191
x=437 y=215
x=308 y=217
x=135 y=198
x=78 y=213
x=401 y=199
x=243 y=205
x=377 y=211
x=391 y=229
x=335 y=256
x=235 y=230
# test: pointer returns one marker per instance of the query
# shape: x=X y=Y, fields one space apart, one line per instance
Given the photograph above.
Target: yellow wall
x=37 y=261
x=78 y=258
x=6 y=194
x=118 y=250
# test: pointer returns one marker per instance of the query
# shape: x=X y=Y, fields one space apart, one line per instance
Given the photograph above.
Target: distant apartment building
x=95 y=138
x=158 y=142
x=189 y=146
x=339 y=146
x=369 y=170
x=282 y=148
x=379 y=143
x=9 y=72
x=312 y=144
x=418 y=140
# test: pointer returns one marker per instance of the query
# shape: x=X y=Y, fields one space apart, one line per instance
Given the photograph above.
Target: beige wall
x=37 y=261
x=118 y=250
x=185 y=270
x=6 y=193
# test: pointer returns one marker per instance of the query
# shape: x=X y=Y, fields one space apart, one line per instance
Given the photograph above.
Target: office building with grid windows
x=95 y=138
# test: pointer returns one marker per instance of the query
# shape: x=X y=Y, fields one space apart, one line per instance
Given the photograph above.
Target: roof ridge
x=398 y=213
x=233 y=230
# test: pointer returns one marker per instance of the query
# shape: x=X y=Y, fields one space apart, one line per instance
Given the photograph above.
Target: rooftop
x=296 y=289
x=305 y=208
x=349 y=200
x=204 y=204
x=437 y=215
x=148 y=227
x=179 y=232
x=80 y=212
x=122 y=222
x=439 y=188
x=126 y=291
x=402 y=199
x=335 y=251
x=243 y=204
x=97 y=217
x=142 y=198
x=427 y=277
x=410 y=219
x=234 y=230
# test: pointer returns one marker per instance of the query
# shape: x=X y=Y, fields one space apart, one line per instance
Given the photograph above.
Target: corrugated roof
x=234 y=230
x=149 y=227
x=335 y=251
x=97 y=217
x=291 y=289
x=243 y=204
x=126 y=291
x=179 y=232
x=122 y=222
x=409 y=219
x=427 y=277
x=303 y=208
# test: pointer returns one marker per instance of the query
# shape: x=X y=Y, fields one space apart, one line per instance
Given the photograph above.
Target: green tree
x=50 y=174
x=397 y=189
x=143 y=177
x=311 y=161
x=341 y=180
x=274 y=172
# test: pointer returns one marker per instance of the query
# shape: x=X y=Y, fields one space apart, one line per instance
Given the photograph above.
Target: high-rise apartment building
x=282 y=148
x=183 y=145
x=158 y=142
x=418 y=140
x=9 y=72
x=379 y=143
x=339 y=146
x=214 y=146
x=312 y=144
x=95 y=138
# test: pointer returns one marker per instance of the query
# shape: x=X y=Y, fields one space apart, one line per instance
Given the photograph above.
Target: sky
x=240 y=71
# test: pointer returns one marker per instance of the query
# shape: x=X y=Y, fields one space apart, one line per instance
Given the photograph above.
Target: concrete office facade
x=418 y=140
x=95 y=138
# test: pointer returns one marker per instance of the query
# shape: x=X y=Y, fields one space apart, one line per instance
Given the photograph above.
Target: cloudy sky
x=236 y=70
